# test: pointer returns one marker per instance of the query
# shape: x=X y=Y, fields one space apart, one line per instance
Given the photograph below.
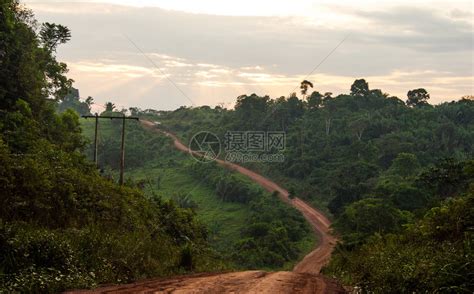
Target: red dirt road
x=304 y=278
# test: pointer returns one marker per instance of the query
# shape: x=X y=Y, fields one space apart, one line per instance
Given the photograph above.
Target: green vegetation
x=382 y=168
x=247 y=226
x=433 y=253
x=273 y=234
x=62 y=225
x=141 y=148
x=72 y=101
x=396 y=177
x=224 y=220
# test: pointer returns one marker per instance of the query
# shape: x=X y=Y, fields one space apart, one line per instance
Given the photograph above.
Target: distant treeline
x=393 y=174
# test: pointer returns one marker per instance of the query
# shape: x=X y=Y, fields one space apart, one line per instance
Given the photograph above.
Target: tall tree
x=315 y=100
x=51 y=35
x=72 y=101
x=304 y=87
x=360 y=88
x=89 y=101
x=109 y=106
x=417 y=97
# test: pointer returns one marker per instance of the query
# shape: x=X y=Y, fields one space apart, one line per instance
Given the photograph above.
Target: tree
x=405 y=165
x=26 y=70
x=315 y=100
x=407 y=197
x=295 y=108
x=353 y=182
x=360 y=88
x=134 y=110
x=72 y=101
x=51 y=35
x=368 y=216
x=327 y=96
x=109 y=106
x=291 y=193
x=417 y=97
x=446 y=179
x=304 y=87
x=54 y=205
x=89 y=101
x=435 y=253
x=358 y=125
x=251 y=110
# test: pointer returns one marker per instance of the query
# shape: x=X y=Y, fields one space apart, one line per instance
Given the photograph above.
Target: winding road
x=304 y=278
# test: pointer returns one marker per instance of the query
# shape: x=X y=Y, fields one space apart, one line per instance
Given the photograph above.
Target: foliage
x=304 y=87
x=378 y=164
x=434 y=254
x=229 y=187
x=418 y=97
x=51 y=35
x=273 y=230
x=271 y=236
x=155 y=154
x=71 y=101
x=360 y=88
x=62 y=225
x=140 y=146
x=404 y=212
x=366 y=217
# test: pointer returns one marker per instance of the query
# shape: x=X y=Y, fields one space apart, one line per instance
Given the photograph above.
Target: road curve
x=316 y=259
x=304 y=278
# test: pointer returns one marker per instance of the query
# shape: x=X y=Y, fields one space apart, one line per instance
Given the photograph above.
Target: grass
x=223 y=219
x=166 y=176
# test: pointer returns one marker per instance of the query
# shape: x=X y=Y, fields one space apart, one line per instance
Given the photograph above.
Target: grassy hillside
x=165 y=176
x=224 y=220
x=164 y=173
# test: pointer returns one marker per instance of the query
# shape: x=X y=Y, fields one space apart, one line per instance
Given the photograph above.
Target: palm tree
x=89 y=101
x=109 y=106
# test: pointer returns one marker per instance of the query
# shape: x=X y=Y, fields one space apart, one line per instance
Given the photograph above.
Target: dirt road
x=304 y=278
x=234 y=282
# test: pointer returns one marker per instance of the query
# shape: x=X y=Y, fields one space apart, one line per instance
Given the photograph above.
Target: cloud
x=216 y=58
x=423 y=30
x=461 y=14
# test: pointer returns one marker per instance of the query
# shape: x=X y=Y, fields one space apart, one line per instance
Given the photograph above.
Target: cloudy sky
x=163 y=54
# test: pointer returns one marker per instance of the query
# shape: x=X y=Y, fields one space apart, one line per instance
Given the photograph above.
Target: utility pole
x=95 y=139
x=122 y=151
x=122 y=146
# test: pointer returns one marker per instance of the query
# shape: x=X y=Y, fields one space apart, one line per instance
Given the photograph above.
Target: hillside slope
x=305 y=277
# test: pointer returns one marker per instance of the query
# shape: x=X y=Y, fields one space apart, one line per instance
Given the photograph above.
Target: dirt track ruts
x=304 y=278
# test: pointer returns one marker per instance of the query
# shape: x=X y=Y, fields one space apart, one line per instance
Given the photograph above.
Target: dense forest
x=63 y=225
x=395 y=175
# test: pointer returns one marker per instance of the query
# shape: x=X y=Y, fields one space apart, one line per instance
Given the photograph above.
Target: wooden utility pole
x=122 y=151
x=122 y=146
x=95 y=139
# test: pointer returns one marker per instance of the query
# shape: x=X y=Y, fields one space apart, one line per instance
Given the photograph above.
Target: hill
x=382 y=167
x=237 y=213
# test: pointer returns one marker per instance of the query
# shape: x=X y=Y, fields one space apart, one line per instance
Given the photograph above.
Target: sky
x=165 y=54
